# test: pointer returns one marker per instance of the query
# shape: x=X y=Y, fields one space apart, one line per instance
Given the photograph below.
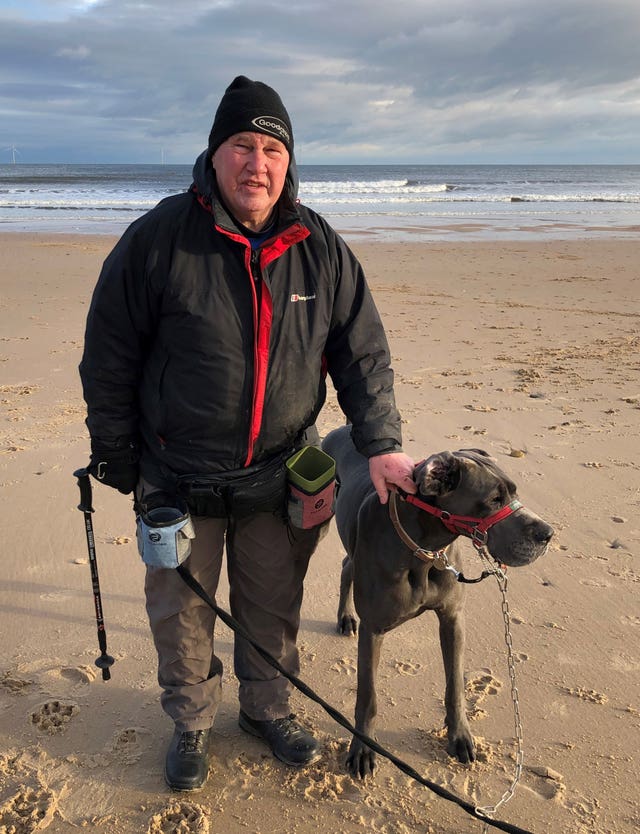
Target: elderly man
x=214 y=323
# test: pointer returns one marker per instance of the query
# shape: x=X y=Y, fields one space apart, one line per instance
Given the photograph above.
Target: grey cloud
x=466 y=74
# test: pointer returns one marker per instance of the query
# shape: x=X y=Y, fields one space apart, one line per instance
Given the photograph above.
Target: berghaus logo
x=295 y=297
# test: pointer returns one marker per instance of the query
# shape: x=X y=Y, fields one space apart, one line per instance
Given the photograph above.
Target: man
x=212 y=327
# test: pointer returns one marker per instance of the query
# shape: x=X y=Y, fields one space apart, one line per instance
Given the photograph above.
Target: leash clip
x=440 y=560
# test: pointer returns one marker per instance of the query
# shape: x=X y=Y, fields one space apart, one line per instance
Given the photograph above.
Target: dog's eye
x=499 y=499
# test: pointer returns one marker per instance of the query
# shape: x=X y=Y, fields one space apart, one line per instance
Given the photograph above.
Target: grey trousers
x=266 y=566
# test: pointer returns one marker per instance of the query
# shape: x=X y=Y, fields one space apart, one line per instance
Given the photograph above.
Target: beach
x=528 y=349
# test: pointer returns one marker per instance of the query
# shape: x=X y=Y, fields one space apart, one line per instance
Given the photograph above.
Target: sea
x=386 y=202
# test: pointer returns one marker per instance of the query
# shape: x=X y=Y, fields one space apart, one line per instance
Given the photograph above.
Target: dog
x=391 y=581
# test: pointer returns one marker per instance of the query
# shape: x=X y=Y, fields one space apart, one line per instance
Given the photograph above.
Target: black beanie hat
x=250 y=106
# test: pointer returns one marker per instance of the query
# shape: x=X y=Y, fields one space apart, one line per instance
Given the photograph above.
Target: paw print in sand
x=407 y=667
x=180 y=818
x=30 y=809
x=478 y=687
x=128 y=745
x=53 y=715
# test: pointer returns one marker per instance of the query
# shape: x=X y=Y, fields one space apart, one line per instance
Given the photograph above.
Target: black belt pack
x=260 y=488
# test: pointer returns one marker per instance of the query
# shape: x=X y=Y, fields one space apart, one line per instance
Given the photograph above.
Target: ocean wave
x=359 y=202
x=421 y=185
x=573 y=198
x=71 y=208
x=379 y=187
x=450 y=198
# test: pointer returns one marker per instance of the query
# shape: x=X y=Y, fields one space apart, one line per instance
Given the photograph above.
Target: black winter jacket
x=215 y=358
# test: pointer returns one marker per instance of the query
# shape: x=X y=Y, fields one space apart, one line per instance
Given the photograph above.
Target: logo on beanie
x=273 y=125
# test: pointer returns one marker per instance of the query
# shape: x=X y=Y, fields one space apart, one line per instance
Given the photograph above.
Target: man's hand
x=115 y=463
x=395 y=469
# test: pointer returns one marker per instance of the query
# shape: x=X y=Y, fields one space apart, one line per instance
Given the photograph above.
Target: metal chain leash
x=441 y=562
x=489 y=811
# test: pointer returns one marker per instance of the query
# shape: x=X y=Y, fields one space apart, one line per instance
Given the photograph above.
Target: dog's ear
x=480 y=454
x=439 y=474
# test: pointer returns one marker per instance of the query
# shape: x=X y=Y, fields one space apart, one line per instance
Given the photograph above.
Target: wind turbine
x=14 y=151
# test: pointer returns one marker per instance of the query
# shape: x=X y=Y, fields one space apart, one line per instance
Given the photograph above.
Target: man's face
x=251 y=169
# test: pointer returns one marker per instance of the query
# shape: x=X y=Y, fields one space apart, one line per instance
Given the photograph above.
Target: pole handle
x=84 y=483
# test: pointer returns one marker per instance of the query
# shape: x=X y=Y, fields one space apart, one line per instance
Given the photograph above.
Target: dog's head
x=470 y=483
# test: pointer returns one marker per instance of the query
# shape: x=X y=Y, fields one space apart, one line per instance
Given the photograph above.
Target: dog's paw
x=461 y=746
x=361 y=760
x=348 y=625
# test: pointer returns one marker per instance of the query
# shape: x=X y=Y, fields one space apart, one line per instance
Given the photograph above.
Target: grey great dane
x=397 y=568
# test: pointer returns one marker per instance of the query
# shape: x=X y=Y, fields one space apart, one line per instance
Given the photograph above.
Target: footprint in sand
x=52 y=716
x=478 y=688
x=589 y=695
x=483 y=684
x=30 y=809
x=11 y=682
x=594 y=583
x=405 y=667
x=345 y=666
x=78 y=675
x=546 y=783
x=328 y=787
x=180 y=818
x=128 y=744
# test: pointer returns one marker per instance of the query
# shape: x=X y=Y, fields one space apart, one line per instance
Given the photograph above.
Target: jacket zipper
x=255 y=272
x=255 y=265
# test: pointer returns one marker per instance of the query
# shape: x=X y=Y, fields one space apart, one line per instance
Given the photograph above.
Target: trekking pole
x=104 y=661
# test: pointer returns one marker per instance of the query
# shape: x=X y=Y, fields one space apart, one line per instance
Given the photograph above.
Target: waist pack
x=260 y=488
x=164 y=531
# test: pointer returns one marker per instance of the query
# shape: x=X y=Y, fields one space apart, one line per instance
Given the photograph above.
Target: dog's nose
x=543 y=533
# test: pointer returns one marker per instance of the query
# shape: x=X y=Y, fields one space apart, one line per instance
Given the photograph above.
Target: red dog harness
x=475 y=528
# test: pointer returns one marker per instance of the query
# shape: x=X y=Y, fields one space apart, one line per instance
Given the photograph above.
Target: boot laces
x=192 y=741
x=291 y=729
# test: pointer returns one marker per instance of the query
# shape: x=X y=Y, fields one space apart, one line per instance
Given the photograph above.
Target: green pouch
x=311 y=476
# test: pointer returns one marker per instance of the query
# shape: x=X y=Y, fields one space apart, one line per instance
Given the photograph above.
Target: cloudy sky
x=371 y=81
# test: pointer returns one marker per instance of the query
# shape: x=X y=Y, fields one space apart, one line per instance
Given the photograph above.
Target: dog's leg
x=460 y=741
x=347 y=620
x=361 y=759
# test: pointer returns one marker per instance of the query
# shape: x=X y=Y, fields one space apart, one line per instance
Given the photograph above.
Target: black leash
x=235 y=626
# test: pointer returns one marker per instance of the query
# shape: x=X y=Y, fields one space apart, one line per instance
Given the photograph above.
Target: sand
x=528 y=350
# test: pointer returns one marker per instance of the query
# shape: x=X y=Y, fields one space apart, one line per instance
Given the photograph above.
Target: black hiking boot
x=187 y=763
x=288 y=740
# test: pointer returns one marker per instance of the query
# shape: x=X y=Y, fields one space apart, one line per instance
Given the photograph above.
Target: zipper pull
x=255 y=265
